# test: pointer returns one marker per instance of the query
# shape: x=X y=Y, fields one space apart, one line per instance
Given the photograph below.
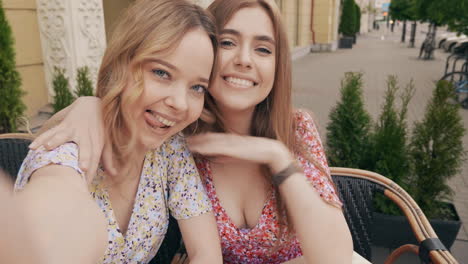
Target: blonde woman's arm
x=69 y=224
x=201 y=239
x=190 y=205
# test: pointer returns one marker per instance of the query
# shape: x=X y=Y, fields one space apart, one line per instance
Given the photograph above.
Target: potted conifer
x=11 y=106
x=63 y=96
x=349 y=126
x=347 y=27
x=84 y=86
x=421 y=163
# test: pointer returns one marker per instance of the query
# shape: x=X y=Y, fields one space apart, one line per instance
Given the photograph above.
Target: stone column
x=72 y=35
x=326 y=20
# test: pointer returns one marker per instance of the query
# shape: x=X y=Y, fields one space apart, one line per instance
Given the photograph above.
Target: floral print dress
x=258 y=245
x=169 y=183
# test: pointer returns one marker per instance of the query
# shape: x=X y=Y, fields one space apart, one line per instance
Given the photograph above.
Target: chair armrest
x=421 y=227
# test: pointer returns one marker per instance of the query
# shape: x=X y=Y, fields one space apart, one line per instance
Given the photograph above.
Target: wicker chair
x=357 y=189
x=13 y=149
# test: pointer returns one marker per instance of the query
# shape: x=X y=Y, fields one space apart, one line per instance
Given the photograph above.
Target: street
x=316 y=85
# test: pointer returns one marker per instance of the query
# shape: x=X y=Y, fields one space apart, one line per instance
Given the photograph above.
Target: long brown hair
x=147 y=27
x=273 y=117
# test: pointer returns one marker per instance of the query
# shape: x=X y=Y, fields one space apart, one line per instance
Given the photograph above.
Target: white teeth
x=165 y=121
x=241 y=82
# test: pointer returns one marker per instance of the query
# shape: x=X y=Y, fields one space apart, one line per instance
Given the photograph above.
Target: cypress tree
x=11 y=106
x=390 y=151
x=349 y=126
x=348 y=19
x=84 y=84
x=63 y=97
x=437 y=151
x=358 y=17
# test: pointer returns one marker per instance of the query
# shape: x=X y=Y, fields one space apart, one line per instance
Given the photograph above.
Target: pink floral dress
x=258 y=245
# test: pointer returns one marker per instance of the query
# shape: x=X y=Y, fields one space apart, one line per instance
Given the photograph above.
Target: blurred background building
x=70 y=34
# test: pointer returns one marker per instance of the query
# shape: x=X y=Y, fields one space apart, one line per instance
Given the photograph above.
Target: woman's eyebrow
x=203 y=80
x=165 y=63
x=259 y=37
x=230 y=31
x=265 y=38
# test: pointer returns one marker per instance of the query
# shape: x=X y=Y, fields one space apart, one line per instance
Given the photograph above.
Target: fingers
x=94 y=159
x=215 y=144
x=108 y=161
x=44 y=138
x=176 y=259
x=185 y=259
x=52 y=138
x=85 y=154
x=180 y=258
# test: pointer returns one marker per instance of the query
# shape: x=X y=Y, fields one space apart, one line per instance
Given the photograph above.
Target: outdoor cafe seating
x=357 y=189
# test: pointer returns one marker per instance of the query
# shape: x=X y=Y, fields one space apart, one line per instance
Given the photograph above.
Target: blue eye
x=199 y=89
x=226 y=43
x=264 y=50
x=161 y=73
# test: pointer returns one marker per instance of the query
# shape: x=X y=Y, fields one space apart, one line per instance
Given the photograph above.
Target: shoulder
x=303 y=116
x=174 y=145
x=64 y=155
x=305 y=125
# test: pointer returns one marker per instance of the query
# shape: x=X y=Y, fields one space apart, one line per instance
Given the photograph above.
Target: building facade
x=70 y=34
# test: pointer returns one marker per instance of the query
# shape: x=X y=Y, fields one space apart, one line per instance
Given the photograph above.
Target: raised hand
x=82 y=124
x=255 y=149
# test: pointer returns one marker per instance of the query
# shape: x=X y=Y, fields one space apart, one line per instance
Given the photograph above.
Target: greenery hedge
x=11 y=106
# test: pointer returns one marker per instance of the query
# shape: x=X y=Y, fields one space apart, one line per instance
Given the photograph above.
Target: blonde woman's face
x=246 y=57
x=174 y=87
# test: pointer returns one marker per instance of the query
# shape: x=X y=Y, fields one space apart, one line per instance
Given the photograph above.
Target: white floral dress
x=169 y=183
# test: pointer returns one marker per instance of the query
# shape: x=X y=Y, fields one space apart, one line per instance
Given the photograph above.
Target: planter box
x=346 y=43
x=394 y=231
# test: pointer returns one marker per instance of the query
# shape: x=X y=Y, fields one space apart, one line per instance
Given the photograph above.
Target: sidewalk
x=317 y=78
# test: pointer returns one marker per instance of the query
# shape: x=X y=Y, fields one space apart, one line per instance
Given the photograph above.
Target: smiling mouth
x=156 y=121
x=240 y=82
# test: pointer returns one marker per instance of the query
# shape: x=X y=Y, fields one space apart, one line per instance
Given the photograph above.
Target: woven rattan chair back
x=357 y=189
x=357 y=196
x=13 y=150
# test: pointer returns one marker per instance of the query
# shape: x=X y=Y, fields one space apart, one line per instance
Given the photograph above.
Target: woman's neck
x=238 y=122
x=130 y=168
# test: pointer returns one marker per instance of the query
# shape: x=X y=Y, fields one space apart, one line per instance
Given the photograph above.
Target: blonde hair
x=147 y=27
x=273 y=117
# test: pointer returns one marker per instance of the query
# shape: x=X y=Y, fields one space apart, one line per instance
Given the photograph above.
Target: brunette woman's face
x=246 y=61
x=174 y=85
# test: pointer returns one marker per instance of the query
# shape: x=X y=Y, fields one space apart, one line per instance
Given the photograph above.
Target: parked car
x=450 y=42
x=441 y=38
x=461 y=47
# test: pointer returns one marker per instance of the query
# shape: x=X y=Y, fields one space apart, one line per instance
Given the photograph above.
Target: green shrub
x=436 y=151
x=348 y=19
x=63 y=97
x=349 y=126
x=358 y=17
x=390 y=153
x=84 y=86
x=11 y=106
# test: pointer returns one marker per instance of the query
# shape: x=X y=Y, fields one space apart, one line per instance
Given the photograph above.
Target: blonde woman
x=149 y=93
x=261 y=161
